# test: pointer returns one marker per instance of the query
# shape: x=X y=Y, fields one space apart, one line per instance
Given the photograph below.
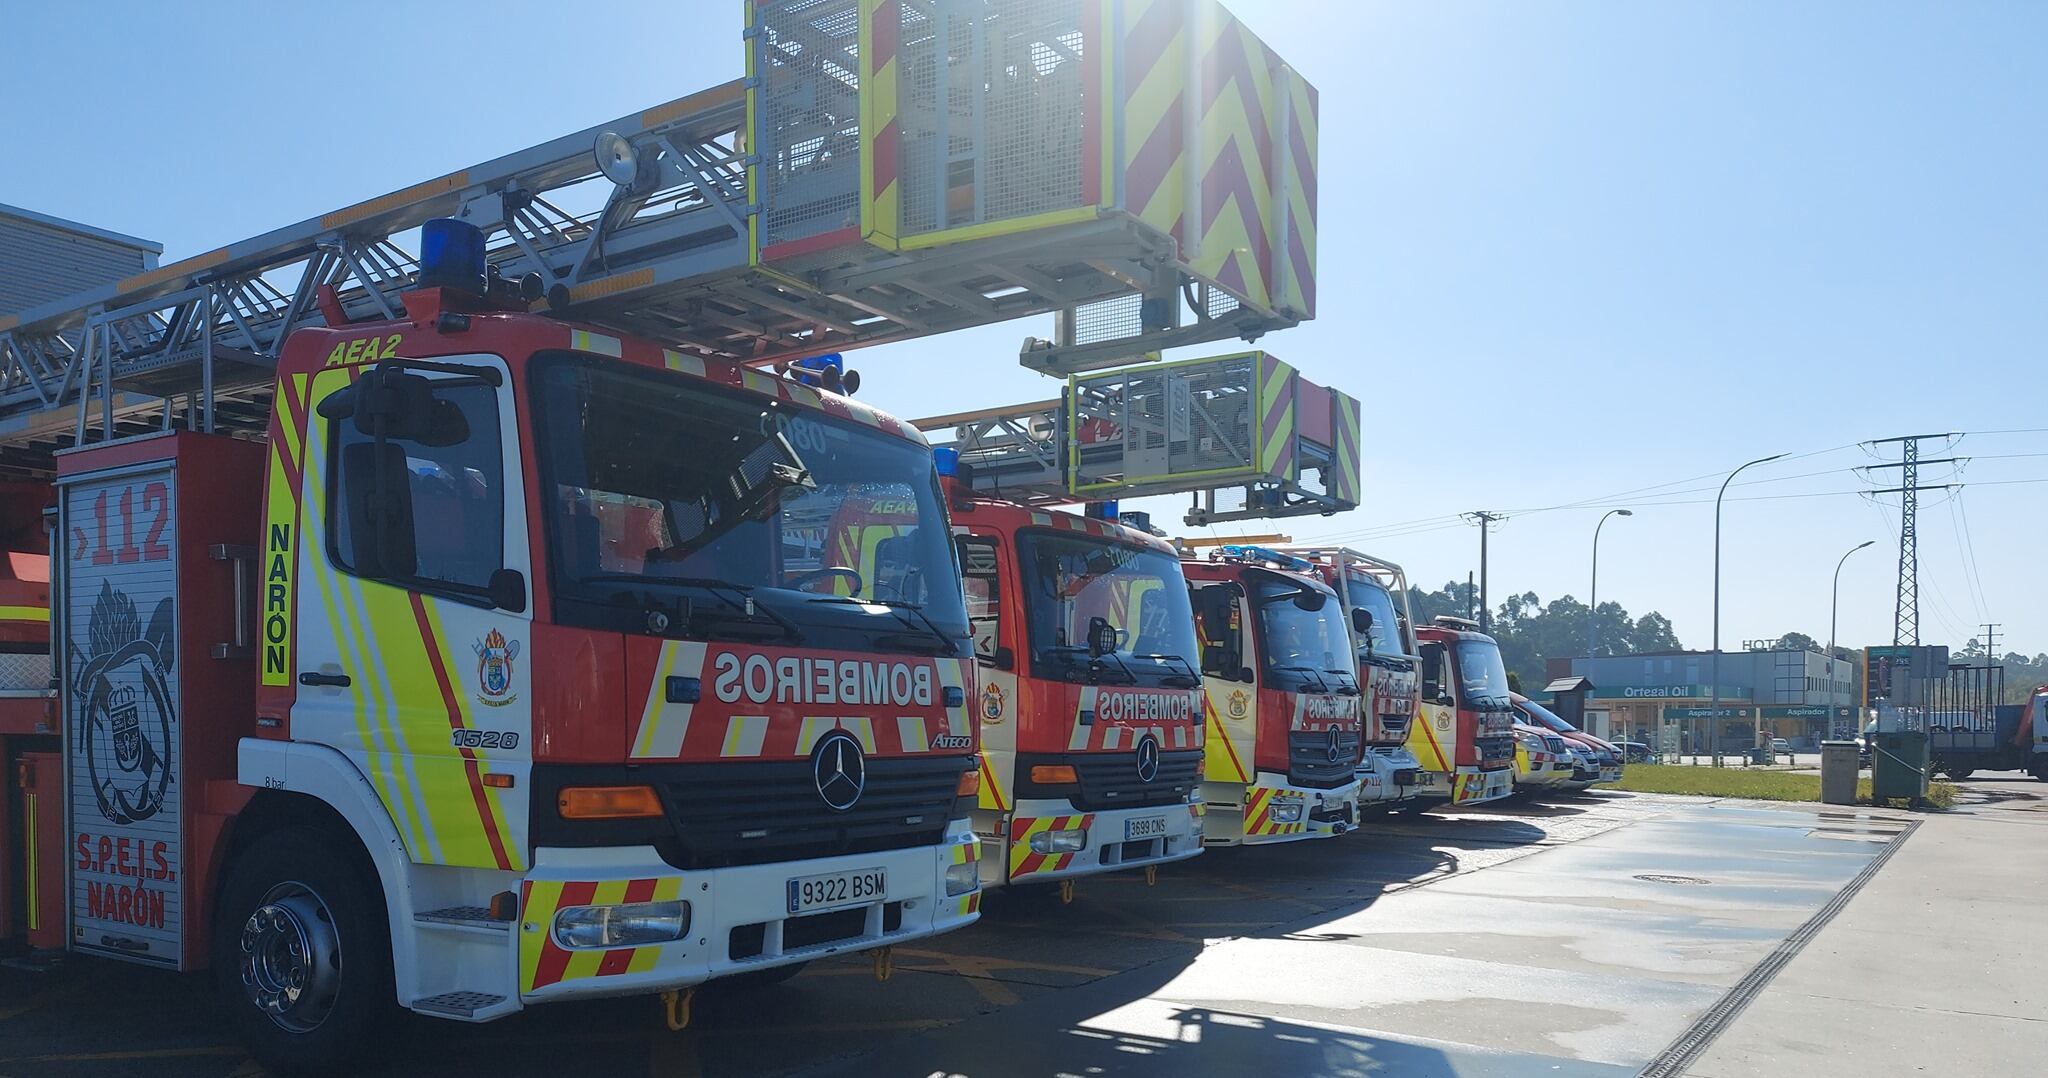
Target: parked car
x=1636 y=752
x=1603 y=760
x=1781 y=747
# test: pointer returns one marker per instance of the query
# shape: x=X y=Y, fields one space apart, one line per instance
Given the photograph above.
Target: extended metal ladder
x=886 y=170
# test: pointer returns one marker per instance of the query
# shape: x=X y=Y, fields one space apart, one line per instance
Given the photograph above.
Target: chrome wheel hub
x=291 y=958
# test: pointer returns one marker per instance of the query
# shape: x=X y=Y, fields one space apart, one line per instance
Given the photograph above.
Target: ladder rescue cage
x=1245 y=423
x=886 y=169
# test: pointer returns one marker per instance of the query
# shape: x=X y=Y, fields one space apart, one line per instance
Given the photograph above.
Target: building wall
x=44 y=258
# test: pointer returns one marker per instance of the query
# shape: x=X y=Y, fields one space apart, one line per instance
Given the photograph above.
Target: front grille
x=1554 y=743
x=1308 y=758
x=1395 y=725
x=756 y=813
x=1110 y=780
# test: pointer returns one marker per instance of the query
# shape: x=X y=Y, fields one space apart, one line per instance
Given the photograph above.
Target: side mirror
x=1310 y=600
x=508 y=590
x=1244 y=674
x=1004 y=659
x=1217 y=661
x=1361 y=622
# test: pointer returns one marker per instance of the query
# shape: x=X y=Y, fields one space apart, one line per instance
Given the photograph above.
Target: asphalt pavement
x=1587 y=936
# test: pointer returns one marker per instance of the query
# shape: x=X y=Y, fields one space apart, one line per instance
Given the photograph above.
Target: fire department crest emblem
x=494 y=658
x=125 y=713
x=992 y=703
x=1239 y=704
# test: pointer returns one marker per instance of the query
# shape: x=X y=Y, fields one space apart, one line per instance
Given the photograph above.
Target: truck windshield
x=1302 y=650
x=1070 y=581
x=1373 y=596
x=1482 y=680
x=736 y=516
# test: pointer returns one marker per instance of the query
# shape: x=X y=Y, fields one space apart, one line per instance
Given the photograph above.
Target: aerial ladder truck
x=1246 y=437
x=443 y=603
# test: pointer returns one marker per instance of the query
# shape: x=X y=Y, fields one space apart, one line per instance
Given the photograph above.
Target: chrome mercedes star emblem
x=1336 y=745
x=1148 y=758
x=840 y=770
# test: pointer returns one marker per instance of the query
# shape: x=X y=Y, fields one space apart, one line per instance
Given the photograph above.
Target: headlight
x=962 y=878
x=631 y=925
x=1073 y=841
x=1286 y=811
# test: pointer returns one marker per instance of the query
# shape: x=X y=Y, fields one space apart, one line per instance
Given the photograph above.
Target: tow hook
x=675 y=1004
x=884 y=959
x=1151 y=875
x=1066 y=892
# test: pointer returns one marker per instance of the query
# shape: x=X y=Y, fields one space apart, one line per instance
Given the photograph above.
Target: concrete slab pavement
x=1938 y=966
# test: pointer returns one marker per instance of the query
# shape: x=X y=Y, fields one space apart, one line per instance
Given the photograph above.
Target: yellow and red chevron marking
x=543 y=962
x=1258 y=816
x=991 y=796
x=1276 y=417
x=1345 y=484
x=1243 y=99
x=881 y=135
x=1026 y=862
x=963 y=853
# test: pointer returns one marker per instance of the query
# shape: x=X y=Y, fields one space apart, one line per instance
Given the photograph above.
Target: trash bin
x=1838 y=767
x=1898 y=767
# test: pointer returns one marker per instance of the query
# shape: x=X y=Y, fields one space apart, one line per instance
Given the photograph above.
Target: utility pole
x=1906 y=612
x=1485 y=520
x=1991 y=642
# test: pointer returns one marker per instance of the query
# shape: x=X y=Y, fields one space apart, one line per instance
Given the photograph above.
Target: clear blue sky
x=1568 y=249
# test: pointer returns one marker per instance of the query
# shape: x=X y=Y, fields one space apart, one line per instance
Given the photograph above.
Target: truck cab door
x=984 y=565
x=413 y=650
x=1229 y=690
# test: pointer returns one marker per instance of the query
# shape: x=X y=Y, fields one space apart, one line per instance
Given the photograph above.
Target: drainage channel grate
x=1654 y=877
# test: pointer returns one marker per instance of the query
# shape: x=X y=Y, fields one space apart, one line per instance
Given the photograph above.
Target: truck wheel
x=1961 y=773
x=758 y=979
x=302 y=955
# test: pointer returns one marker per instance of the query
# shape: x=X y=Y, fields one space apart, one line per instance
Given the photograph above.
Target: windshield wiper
x=939 y=642
x=1345 y=688
x=1070 y=653
x=1321 y=685
x=742 y=611
x=1189 y=680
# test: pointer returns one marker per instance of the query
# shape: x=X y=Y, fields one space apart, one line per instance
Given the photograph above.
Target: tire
x=760 y=979
x=292 y=893
x=1961 y=773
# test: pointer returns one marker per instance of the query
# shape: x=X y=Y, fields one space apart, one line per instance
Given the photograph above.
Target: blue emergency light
x=1101 y=510
x=946 y=459
x=452 y=255
x=1259 y=553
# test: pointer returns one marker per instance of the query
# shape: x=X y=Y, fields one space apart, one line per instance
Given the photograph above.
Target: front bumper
x=739 y=917
x=1271 y=810
x=1382 y=773
x=1105 y=844
x=1473 y=786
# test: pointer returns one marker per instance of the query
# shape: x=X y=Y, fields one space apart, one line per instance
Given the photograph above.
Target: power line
x=1970 y=547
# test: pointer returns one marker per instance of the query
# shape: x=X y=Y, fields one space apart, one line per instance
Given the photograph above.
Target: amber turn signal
x=607 y=802
x=970 y=784
x=1054 y=774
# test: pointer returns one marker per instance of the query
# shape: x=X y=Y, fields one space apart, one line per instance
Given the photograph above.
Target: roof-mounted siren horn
x=827 y=372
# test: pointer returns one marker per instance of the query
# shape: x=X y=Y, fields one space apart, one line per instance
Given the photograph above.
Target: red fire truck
x=515 y=665
x=1091 y=699
x=1283 y=706
x=1464 y=736
x=1383 y=641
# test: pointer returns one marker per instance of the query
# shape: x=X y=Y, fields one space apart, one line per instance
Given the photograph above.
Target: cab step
x=467 y=1006
x=473 y=918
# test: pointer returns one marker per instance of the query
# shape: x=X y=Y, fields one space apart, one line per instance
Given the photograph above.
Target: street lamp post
x=1714 y=690
x=1593 y=598
x=1834 y=609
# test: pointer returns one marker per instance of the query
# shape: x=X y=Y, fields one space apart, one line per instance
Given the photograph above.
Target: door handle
x=339 y=681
